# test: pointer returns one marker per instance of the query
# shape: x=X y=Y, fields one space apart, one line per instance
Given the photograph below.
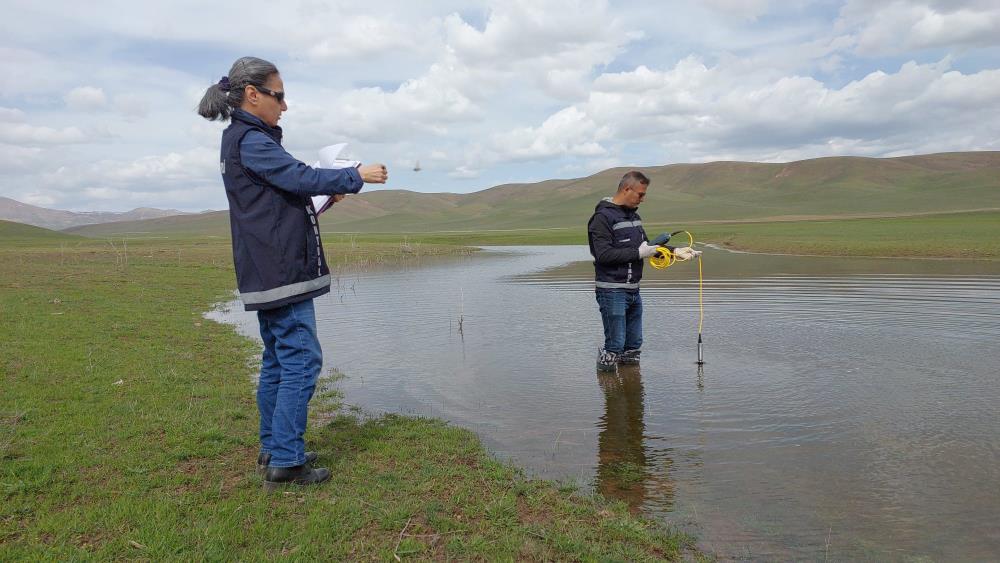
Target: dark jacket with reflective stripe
x=276 y=244
x=615 y=233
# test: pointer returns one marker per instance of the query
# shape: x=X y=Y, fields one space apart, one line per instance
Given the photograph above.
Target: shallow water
x=847 y=408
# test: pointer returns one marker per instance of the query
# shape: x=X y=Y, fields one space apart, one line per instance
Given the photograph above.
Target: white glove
x=686 y=253
x=645 y=251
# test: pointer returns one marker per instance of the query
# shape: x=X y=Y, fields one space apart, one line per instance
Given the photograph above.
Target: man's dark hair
x=632 y=178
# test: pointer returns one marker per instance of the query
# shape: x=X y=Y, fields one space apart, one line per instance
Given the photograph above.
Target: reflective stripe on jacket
x=615 y=233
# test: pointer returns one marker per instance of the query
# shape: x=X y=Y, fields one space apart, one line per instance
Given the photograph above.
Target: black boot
x=264 y=459
x=607 y=361
x=300 y=475
x=630 y=357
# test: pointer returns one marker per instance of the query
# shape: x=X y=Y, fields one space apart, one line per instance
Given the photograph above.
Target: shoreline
x=158 y=404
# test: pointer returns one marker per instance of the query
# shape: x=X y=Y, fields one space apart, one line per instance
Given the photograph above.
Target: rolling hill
x=679 y=193
x=11 y=231
x=13 y=210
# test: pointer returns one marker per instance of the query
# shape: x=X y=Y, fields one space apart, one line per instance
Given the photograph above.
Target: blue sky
x=97 y=100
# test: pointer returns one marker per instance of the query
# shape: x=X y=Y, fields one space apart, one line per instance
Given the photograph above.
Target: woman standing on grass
x=280 y=266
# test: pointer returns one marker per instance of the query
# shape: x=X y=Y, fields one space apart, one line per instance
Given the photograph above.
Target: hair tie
x=224 y=84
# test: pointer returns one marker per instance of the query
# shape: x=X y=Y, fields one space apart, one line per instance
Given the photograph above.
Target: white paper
x=328 y=159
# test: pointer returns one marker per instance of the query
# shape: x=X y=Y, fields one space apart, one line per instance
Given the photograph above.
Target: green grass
x=128 y=431
x=477 y=238
x=954 y=235
x=958 y=235
x=949 y=235
x=27 y=235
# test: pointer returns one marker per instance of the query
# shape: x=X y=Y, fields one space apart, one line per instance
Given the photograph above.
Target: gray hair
x=633 y=178
x=220 y=99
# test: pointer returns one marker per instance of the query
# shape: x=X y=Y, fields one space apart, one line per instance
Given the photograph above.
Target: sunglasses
x=280 y=96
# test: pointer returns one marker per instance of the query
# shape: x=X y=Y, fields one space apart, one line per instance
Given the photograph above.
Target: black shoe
x=300 y=475
x=630 y=357
x=263 y=459
x=607 y=361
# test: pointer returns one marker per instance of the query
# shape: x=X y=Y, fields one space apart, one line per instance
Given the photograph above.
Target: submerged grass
x=128 y=430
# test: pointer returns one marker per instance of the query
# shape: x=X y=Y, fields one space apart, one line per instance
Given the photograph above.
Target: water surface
x=847 y=409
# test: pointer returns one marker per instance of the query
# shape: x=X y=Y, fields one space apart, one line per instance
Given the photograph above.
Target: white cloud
x=26 y=71
x=195 y=167
x=745 y=9
x=464 y=173
x=11 y=115
x=132 y=106
x=483 y=92
x=16 y=158
x=23 y=133
x=86 y=98
x=360 y=36
x=175 y=168
x=523 y=30
x=426 y=103
x=901 y=26
x=523 y=39
x=713 y=112
x=567 y=132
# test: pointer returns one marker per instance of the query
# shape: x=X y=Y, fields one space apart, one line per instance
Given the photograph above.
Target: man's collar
x=622 y=205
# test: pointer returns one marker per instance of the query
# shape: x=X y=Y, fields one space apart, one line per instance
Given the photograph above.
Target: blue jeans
x=290 y=366
x=621 y=312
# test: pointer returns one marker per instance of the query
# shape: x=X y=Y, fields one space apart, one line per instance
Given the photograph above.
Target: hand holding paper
x=328 y=159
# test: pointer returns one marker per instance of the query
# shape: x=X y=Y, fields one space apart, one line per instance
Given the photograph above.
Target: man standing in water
x=618 y=244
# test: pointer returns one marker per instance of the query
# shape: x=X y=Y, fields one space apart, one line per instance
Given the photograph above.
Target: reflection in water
x=621 y=469
x=624 y=471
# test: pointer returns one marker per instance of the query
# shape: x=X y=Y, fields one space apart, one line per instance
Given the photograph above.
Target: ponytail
x=222 y=98
x=215 y=104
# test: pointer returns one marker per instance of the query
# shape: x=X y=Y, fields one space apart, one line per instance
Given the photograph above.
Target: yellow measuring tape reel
x=665 y=258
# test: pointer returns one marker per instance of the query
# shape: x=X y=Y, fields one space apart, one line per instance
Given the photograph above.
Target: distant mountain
x=679 y=194
x=13 y=210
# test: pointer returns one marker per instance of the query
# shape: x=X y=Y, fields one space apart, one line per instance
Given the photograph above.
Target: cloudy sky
x=97 y=100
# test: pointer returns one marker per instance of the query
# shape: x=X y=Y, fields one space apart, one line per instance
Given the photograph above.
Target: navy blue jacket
x=277 y=249
x=615 y=233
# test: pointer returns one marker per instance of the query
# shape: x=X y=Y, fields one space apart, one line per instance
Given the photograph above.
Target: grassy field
x=973 y=234
x=128 y=431
x=955 y=235
x=27 y=235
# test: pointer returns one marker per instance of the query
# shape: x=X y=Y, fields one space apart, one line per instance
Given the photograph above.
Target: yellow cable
x=665 y=258
x=701 y=305
x=662 y=259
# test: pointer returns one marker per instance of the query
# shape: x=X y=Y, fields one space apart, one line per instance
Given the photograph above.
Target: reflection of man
x=618 y=244
x=622 y=466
